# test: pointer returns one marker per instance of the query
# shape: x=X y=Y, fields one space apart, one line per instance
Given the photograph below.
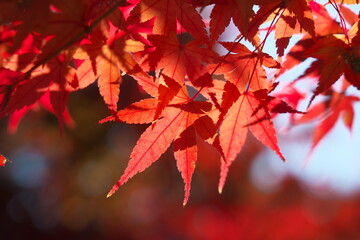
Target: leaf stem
x=342 y=20
x=262 y=44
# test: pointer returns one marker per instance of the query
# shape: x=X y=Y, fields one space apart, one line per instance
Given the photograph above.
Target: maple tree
x=189 y=89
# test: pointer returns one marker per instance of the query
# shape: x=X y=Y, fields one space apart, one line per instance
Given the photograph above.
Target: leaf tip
x=220 y=189
x=223 y=174
x=187 y=195
x=311 y=100
x=279 y=153
x=113 y=190
x=281 y=156
x=105 y=120
x=110 y=193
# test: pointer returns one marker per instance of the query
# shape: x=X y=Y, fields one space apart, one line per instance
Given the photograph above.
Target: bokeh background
x=55 y=186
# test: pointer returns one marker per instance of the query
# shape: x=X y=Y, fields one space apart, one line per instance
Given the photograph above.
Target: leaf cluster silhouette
x=50 y=49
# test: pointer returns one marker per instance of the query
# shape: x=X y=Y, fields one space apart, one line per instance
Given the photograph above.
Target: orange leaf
x=233 y=131
x=185 y=151
x=264 y=129
x=106 y=62
x=324 y=23
x=240 y=11
x=178 y=60
x=232 y=137
x=168 y=89
x=137 y=113
x=166 y=13
x=151 y=145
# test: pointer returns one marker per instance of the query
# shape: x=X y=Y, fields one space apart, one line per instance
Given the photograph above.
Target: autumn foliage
x=191 y=92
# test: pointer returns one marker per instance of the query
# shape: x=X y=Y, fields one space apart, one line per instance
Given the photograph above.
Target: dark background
x=55 y=187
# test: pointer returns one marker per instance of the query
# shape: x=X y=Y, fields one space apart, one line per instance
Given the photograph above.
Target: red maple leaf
x=50 y=49
x=179 y=121
x=166 y=13
x=324 y=23
x=105 y=56
x=248 y=113
x=243 y=70
x=56 y=75
x=294 y=17
x=179 y=60
x=337 y=55
x=239 y=11
x=328 y=112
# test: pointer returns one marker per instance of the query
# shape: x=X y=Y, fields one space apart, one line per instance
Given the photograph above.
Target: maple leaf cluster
x=49 y=49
